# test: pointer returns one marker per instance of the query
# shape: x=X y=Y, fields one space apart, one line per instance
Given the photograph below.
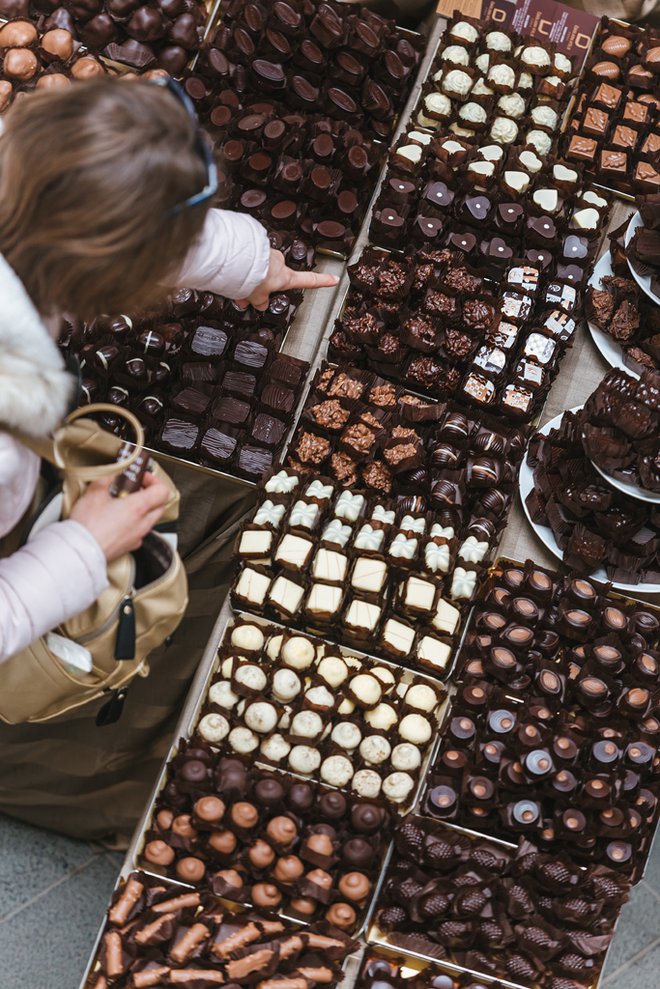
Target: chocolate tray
x=192 y=717
x=412 y=966
x=349 y=968
x=137 y=861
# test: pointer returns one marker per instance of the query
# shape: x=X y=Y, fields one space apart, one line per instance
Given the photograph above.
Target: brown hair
x=87 y=177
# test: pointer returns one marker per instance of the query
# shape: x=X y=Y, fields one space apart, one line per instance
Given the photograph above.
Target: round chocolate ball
x=300 y=797
x=319 y=844
x=288 y=869
x=172 y=8
x=366 y=818
x=173 y=59
x=57 y=43
x=20 y=63
x=304 y=906
x=282 y=830
x=184 y=32
x=98 y=32
x=269 y=792
x=333 y=805
x=146 y=24
x=354 y=886
x=122 y=8
x=244 y=814
x=190 y=869
x=52 y=80
x=182 y=825
x=261 y=855
x=193 y=771
x=15 y=8
x=223 y=842
x=341 y=915
x=320 y=878
x=164 y=819
x=158 y=852
x=231 y=877
x=357 y=852
x=87 y=68
x=17 y=34
x=6 y=92
x=209 y=809
x=266 y=895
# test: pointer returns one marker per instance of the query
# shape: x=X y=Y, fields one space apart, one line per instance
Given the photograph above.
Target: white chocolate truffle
x=285 y=721
x=456 y=54
x=592 y=197
x=397 y=787
x=535 y=57
x=275 y=748
x=545 y=116
x=420 y=138
x=261 y=717
x=490 y=152
x=346 y=735
x=336 y=770
x=525 y=81
x=517 y=182
x=473 y=113
x=437 y=105
x=320 y=697
x=346 y=707
x=248 y=637
x=463 y=585
x=366 y=690
x=511 y=105
x=213 y=728
x=281 y=483
x=415 y=728
x=414 y=154
x=540 y=140
x=566 y=175
x=252 y=586
x=318 y=490
x=504 y=130
x=547 y=200
x=269 y=514
x=446 y=617
x=406 y=757
x=481 y=89
x=222 y=694
x=530 y=162
x=421 y=697
x=273 y=647
x=307 y=724
x=348 y=506
x=375 y=749
x=465 y=32
x=473 y=550
x=298 y=652
x=304 y=759
x=286 y=685
x=243 y=741
x=251 y=677
x=385 y=676
x=502 y=75
x=498 y=41
x=457 y=83
x=562 y=64
x=367 y=783
x=333 y=670
x=382 y=717
x=482 y=62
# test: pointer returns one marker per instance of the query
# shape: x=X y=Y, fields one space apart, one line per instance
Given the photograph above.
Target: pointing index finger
x=311 y=279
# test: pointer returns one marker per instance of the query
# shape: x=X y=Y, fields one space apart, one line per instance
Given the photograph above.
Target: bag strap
x=52 y=448
x=93 y=473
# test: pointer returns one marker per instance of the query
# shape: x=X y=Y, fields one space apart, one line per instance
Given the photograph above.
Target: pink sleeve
x=230 y=257
x=53 y=577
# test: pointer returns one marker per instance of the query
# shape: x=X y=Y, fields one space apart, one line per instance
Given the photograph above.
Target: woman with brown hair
x=105 y=189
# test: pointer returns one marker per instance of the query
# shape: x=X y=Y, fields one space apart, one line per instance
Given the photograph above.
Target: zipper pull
x=125 y=643
x=112 y=709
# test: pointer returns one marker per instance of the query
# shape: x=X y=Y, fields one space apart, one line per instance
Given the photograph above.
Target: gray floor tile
x=652 y=873
x=31 y=860
x=639 y=925
x=643 y=973
x=48 y=944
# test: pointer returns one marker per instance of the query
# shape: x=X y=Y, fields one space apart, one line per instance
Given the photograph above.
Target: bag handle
x=94 y=473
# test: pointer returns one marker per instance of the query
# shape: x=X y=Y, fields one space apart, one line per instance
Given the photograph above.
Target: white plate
x=626 y=488
x=607 y=345
x=545 y=533
x=644 y=281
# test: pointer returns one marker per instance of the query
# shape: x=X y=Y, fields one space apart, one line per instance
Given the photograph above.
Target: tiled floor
x=53 y=892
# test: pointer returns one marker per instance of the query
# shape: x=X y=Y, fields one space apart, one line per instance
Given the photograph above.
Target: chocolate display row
x=34 y=59
x=450 y=331
x=301 y=704
x=164 y=34
x=440 y=188
x=594 y=525
x=516 y=914
x=385 y=971
x=202 y=375
x=358 y=570
x=159 y=934
x=614 y=125
x=406 y=446
x=484 y=80
x=262 y=838
x=621 y=428
x=618 y=307
x=554 y=731
x=643 y=251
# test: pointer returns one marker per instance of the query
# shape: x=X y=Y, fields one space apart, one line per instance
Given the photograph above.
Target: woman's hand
x=120 y=524
x=280 y=279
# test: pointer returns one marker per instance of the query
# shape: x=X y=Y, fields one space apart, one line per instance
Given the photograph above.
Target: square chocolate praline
x=179 y=435
x=289 y=370
x=624 y=137
x=651 y=144
x=635 y=113
x=249 y=353
x=613 y=163
x=608 y=96
x=208 y=341
x=218 y=446
x=278 y=398
x=239 y=383
x=595 y=122
x=268 y=430
x=254 y=462
x=191 y=401
x=581 y=148
x=231 y=410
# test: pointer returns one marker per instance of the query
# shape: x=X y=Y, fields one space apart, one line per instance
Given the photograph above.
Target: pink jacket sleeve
x=229 y=258
x=54 y=576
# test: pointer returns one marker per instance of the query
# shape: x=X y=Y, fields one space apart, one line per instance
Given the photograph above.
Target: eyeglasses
x=201 y=146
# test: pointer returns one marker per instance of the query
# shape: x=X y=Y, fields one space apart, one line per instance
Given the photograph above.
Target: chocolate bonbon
x=332 y=861
x=299 y=704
